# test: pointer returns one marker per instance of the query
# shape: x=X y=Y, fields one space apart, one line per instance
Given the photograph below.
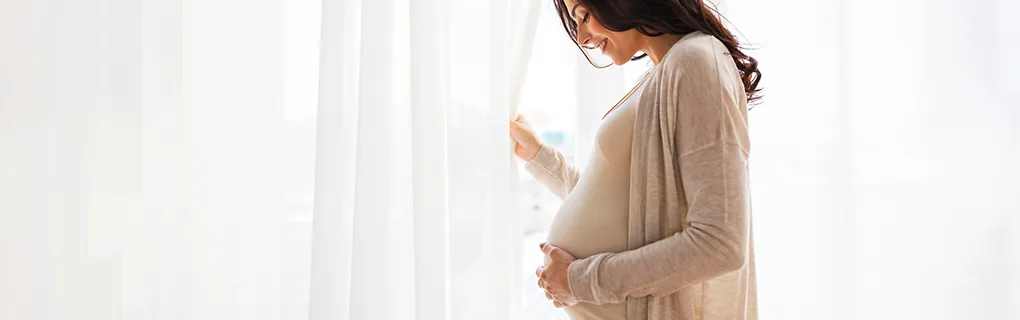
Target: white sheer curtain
x=885 y=158
x=391 y=173
x=161 y=157
x=156 y=162
x=147 y=160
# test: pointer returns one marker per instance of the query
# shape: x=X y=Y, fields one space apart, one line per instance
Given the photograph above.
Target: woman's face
x=619 y=46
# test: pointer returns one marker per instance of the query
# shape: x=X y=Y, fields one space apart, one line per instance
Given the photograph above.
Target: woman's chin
x=618 y=60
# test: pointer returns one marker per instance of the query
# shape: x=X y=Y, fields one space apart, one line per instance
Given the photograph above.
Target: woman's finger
x=546 y=248
x=515 y=129
x=558 y=253
x=548 y=296
x=538 y=271
x=557 y=304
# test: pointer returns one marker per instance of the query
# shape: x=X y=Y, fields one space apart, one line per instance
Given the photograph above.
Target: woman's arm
x=551 y=168
x=544 y=163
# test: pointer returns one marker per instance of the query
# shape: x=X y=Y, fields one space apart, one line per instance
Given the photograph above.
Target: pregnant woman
x=658 y=225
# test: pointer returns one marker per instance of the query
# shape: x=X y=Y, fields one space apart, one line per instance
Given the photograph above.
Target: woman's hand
x=553 y=276
x=525 y=140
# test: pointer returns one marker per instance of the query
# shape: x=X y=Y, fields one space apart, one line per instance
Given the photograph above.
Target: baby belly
x=592 y=220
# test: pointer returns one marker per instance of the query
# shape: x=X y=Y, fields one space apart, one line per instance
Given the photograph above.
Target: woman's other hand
x=553 y=276
x=526 y=142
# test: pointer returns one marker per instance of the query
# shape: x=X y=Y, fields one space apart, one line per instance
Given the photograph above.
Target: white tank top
x=593 y=217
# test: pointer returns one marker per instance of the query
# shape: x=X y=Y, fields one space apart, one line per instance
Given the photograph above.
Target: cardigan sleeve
x=551 y=169
x=711 y=168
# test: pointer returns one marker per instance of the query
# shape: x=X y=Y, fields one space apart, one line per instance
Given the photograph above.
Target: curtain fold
x=429 y=99
x=333 y=229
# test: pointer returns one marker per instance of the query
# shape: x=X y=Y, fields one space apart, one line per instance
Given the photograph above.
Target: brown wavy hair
x=658 y=17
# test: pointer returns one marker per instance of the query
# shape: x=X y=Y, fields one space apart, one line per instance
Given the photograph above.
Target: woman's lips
x=603 y=44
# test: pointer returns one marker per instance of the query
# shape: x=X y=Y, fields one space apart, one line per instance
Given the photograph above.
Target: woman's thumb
x=559 y=254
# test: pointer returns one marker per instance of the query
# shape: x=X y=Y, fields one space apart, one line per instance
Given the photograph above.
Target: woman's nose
x=583 y=36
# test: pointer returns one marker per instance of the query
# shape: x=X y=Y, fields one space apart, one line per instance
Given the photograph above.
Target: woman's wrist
x=534 y=155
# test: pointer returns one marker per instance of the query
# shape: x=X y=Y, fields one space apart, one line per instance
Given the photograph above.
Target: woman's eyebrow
x=573 y=9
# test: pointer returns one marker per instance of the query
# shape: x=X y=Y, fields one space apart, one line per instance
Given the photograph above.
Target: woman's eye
x=585 y=19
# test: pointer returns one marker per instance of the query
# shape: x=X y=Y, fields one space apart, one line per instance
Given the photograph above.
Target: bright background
x=884 y=158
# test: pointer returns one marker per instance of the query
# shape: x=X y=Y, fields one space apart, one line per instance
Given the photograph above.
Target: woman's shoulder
x=699 y=80
x=696 y=54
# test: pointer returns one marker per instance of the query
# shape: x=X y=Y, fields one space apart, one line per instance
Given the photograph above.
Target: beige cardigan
x=691 y=255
